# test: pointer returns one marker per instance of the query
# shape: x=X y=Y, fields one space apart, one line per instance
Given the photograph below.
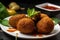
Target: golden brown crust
x=42 y=15
x=14 y=19
x=25 y=25
x=45 y=25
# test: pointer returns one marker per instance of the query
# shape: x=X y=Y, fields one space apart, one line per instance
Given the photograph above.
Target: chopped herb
x=31 y=12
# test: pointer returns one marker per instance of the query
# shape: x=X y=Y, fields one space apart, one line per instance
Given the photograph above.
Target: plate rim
x=31 y=37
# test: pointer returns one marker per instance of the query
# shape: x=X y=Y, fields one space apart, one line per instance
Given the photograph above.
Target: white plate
x=49 y=4
x=20 y=35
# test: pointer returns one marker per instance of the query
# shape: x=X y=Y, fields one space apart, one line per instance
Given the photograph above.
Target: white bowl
x=49 y=4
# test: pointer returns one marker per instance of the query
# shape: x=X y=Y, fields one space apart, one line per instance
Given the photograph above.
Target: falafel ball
x=45 y=25
x=14 y=19
x=42 y=15
x=39 y=16
x=26 y=25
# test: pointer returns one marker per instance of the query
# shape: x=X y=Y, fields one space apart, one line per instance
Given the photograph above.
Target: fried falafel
x=26 y=25
x=14 y=19
x=45 y=25
x=42 y=15
x=38 y=17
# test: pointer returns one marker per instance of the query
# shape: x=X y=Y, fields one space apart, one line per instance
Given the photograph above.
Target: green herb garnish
x=56 y=20
x=0 y=20
x=3 y=11
x=31 y=12
x=5 y=22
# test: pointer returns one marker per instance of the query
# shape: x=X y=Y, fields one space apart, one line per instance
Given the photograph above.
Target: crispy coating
x=42 y=15
x=26 y=25
x=14 y=19
x=45 y=25
x=39 y=17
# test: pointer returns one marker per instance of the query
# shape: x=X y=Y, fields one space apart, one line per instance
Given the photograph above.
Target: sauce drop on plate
x=11 y=29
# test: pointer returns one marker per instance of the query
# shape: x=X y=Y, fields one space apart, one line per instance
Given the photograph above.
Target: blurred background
x=29 y=3
x=6 y=2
